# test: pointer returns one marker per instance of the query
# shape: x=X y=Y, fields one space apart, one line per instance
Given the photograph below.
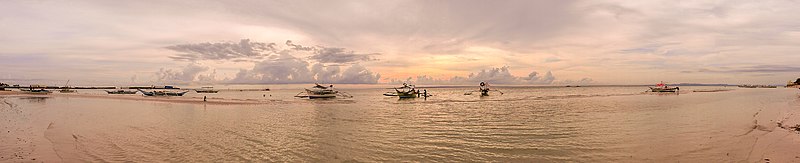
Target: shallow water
x=526 y=124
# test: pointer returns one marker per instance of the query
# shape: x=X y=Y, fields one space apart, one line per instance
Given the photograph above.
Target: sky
x=527 y=42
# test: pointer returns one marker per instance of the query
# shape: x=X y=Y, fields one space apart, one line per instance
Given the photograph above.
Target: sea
x=521 y=124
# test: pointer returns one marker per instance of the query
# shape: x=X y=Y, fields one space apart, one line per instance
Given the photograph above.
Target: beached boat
x=319 y=91
x=206 y=90
x=661 y=87
x=162 y=93
x=37 y=91
x=120 y=91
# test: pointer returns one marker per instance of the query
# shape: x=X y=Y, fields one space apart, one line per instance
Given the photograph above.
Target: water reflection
x=35 y=99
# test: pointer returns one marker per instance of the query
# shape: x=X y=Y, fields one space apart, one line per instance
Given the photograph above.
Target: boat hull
x=121 y=92
x=664 y=89
x=206 y=91
x=323 y=93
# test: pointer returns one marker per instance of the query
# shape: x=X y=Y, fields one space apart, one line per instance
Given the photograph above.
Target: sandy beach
x=745 y=125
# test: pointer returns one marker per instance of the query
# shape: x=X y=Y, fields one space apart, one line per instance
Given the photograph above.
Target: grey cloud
x=534 y=77
x=287 y=69
x=222 y=50
x=552 y=59
x=331 y=54
x=299 y=47
x=249 y=51
x=339 y=55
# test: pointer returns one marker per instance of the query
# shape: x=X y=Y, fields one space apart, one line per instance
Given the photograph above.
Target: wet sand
x=757 y=125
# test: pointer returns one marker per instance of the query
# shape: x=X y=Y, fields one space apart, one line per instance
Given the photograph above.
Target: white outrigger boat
x=319 y=91
x=484 y=89
x=661 y=87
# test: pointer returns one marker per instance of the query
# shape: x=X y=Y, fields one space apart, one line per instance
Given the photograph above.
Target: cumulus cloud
x=187 y=74
x=500 y=75
x=274 y=64
x=287 y=69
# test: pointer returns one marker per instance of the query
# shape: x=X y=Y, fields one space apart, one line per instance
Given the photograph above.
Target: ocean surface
x=525 y=124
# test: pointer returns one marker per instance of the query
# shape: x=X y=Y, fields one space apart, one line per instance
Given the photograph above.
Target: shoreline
x=194 y=100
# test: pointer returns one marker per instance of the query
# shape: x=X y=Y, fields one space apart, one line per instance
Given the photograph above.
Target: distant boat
x=319 y=91
x=757 y=86
x=162 y=93
x=206 y=90
x=484 y=89
x=661 y=87
x=66 y=89
x=38 y=91
x=120 y=91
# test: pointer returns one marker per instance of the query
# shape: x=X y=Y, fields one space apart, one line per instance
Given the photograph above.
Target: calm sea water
x=526 y=124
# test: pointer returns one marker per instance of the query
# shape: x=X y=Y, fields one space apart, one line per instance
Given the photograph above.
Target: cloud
x=186 y=75
x=339 y=55
x=500 y=75
x=222 y=50
x=287 y=69
x=274 y=64
x=552 y=59
x=534 y=78
x=246 y=50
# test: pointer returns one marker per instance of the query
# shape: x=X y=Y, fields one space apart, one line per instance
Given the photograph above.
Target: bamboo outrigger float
x=319 y=91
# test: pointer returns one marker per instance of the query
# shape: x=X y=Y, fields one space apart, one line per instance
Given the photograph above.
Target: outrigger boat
x=33 y=90
x=66 y=89
x=484 y=89
x=39 y=91
x=319 y=91
x=206 y=90
x=162 y=93
x=406 y=91
x=120 y=91
x=661 y=87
